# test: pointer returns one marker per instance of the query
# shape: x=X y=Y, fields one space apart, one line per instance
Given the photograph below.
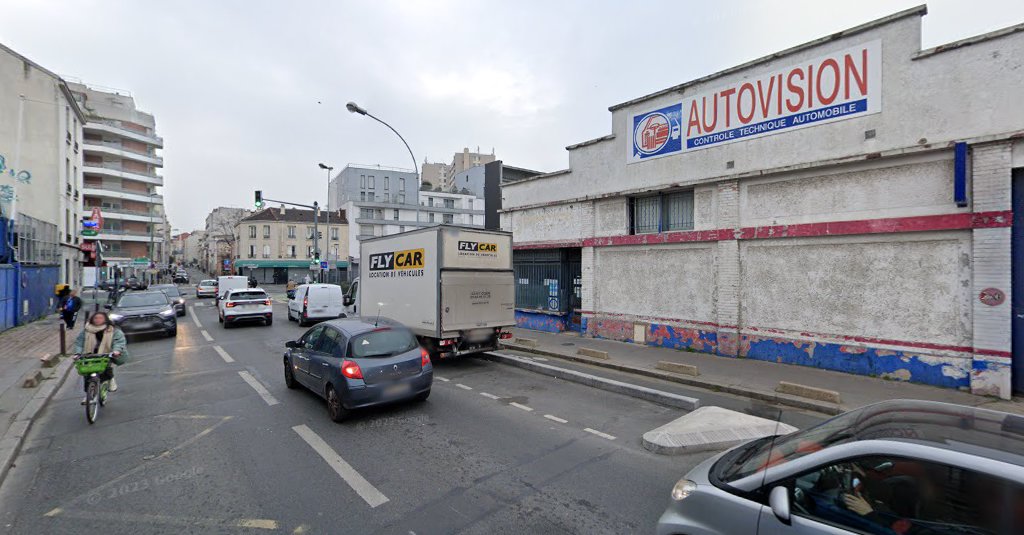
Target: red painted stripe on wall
x=548 y=244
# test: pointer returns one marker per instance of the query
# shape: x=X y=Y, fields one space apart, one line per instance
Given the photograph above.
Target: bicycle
x=91 y=367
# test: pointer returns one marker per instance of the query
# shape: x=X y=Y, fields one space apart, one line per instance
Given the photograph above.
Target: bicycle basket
x=91 y=365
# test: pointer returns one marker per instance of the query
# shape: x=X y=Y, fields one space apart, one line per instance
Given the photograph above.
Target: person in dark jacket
x=101 y=336
x=69 y=308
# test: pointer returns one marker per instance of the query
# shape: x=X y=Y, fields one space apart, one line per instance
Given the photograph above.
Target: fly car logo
x=657 y=133
x=397 y=260
x=478 y=247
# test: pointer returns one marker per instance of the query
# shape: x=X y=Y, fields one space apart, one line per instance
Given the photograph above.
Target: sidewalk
x=21 y=349
x=744 y=377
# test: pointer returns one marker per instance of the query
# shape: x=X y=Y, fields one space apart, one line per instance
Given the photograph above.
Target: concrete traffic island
x=710 y=429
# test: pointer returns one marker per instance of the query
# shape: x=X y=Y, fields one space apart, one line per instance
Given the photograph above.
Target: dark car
x=135 y=283
x=355 y=363
x=174 y=295
x=145 y=312
x=181 y=277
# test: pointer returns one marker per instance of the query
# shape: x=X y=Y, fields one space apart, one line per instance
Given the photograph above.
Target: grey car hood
x=140 y=311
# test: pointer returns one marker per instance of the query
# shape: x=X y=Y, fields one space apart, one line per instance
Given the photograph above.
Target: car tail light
x=505 y=336
x=266 y=302
x=424 y=357
x=351 y=370
x=447 y=342
x=229 y=304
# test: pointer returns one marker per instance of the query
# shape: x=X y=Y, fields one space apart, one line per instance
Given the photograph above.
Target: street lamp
x=327 y=220
x=354 y=108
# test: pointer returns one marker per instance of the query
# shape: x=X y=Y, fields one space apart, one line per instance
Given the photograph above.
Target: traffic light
x=259 y=199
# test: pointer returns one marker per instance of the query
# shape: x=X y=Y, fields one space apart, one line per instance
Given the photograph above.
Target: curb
x=772 y=397
x=14 y=438
x=610 y=385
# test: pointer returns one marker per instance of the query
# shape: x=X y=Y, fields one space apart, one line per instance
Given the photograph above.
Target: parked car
x=140 y=312
x=172 y=293
x=226 y=283
x=135 y=283
x=246 y=304
x=314 y=302
x=180 y=277
x=903 y=467
x=206 y=288
x=355 y=363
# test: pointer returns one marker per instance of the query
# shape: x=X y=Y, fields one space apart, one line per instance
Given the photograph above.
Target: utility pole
x=327 y=218
x=316 y=237
x=316 y=222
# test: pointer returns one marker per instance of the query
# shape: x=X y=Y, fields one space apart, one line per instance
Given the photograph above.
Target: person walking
x=69 y=308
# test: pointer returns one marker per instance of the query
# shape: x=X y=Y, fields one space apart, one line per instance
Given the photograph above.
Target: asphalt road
x=203 y=437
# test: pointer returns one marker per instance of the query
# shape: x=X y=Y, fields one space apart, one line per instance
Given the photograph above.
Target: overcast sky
x=251 y=94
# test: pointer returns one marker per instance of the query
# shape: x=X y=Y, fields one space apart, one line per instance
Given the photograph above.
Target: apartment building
x=120 y=166
x=217 y=244
x=276 y=245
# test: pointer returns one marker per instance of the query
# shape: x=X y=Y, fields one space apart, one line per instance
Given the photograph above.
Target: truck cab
x=351 y=299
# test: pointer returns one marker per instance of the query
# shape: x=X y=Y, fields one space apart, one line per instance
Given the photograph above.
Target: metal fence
x=37 y=242
x=546 y=279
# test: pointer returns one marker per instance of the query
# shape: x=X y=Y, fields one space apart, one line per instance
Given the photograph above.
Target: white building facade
x=844 y=204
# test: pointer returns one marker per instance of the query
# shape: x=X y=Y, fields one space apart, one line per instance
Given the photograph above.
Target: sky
x=251 y=94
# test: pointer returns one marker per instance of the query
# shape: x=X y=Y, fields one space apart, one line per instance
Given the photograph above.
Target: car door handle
x=324 y=364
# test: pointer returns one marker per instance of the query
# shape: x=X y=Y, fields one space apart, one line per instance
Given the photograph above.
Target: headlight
x=181 y=301
x=115 y=317
x=167 y=313
x=682 y=489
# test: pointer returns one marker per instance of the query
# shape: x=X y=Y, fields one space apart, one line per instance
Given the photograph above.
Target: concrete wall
x=672 y=281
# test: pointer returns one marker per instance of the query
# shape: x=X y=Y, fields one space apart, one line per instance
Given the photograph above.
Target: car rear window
x=208 y=283
x=383 y=343
x=244 y=296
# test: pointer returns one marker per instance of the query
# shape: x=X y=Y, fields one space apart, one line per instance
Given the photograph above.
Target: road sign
x=89 y=232
x=323 y=265
x=88 y=246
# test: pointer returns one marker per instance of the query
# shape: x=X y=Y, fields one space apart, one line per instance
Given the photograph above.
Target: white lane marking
x=489 y=396
x=363 y=488
x=439 y=378
x=259 y=388
x=206 y=335
x=598 y=433
x=195 y=319
x=464 y=387
x=556 y=419
x=520 y=406
x=223 y=354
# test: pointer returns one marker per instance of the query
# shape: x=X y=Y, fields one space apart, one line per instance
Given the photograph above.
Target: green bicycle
x=92 y=368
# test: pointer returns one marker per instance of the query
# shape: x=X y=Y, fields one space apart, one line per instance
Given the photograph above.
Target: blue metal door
x=1017 y=280
x=8 y=296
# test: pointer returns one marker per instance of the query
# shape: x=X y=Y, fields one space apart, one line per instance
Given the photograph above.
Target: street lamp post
x=354 y=108
x=327 y=218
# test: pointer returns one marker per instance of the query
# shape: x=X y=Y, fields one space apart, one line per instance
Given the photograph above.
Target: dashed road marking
x=206 y=335
x=439 y=378
x=489 y=396
x=192 y=522
x=223 y=354
x=363 y=488
x=258 y=387
x=464 y=387
x=556 y=419
x=195 y=319
x=521 y=406
x=598 y=433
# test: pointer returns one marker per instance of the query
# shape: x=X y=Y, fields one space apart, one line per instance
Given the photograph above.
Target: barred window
x=38 y=241
x=662 y=213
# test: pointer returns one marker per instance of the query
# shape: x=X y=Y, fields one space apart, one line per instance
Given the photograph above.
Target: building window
x=291 y=251
x=266 y=251
x=362 y=181
x=362 y=196
x=334 y=233
x=395 y=215
x=401 y=198
x=369 y=182
x=430 y=201
x=662 y=213
x=309 y=251
x=401 y=228
x=430 y=217
x=309 y=233
x=252 y=251
x=387 y=183
x=334 y=252
x=448 y=218
x=266 y=231
x=252 y=231
x=449 y=203
x=401 y=184
x=366 y=213
x=291 y=231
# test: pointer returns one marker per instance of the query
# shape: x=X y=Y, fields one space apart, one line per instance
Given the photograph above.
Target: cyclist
x=102 y=336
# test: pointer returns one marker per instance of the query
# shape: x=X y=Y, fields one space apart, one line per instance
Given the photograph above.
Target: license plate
x=397 y=390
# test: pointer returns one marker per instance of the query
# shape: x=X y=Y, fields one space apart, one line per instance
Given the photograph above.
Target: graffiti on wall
x=23 y=176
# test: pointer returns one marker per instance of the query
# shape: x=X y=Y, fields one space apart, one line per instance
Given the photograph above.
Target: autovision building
x=845 y=204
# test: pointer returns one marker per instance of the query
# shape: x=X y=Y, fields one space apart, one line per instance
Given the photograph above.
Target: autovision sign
x=833 y=87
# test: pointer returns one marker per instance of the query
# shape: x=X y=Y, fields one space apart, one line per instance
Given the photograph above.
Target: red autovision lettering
x=810 y=86
x=764 y=98
x=850 y=71
x=778 y=96
x=794 y=89
x=828 y=64
x=694 y=119
x=704 y=112
x=749 y=89
x=727 y=95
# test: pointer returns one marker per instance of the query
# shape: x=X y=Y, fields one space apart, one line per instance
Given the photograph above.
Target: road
x=204 y=437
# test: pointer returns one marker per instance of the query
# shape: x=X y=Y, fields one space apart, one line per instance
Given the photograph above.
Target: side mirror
x=291 y=344
x=348 y=301
x=778 y=500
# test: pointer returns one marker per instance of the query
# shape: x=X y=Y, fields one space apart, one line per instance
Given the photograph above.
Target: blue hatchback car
x=355 y=363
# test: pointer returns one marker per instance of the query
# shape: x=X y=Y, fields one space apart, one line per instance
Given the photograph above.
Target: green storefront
x=281 y=271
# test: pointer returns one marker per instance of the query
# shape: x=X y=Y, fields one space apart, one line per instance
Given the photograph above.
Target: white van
x=230 y=282
x=315 y=302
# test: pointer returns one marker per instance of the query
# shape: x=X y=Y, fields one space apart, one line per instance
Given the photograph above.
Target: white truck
x=453 y=286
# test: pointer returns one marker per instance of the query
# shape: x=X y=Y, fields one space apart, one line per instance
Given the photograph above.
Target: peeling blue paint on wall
x=951 y=372
x=682 y=338
x=541 y=322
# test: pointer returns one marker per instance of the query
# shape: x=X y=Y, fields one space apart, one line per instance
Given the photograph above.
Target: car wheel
x=335 y=409
x=290 y=318
x=227 y=324
x=269 y=321
x=289 y=375
x=302 y=322
x=422 y=396
x=220 y=319
x=181 y=314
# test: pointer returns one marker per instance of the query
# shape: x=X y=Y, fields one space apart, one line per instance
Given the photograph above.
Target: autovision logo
x=657 y=133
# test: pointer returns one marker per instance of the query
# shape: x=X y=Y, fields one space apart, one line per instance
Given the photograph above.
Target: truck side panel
x=472 y=249
x=399 y=277
x=476 y=300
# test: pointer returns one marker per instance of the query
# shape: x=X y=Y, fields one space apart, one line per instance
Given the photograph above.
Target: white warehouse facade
x=846 y=204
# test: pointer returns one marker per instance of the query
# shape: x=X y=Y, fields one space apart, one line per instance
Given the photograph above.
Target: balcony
x=114 y=170
x=115 y=127
x=128 y=235
x=113 y=192
x=128 y=215
x=114 y=148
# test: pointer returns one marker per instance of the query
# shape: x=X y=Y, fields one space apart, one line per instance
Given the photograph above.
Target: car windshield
x=385 y=342
x=169 y=291
x=142 y=300
x=244 y=296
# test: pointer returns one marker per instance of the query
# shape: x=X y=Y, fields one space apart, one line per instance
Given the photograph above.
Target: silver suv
x=897 y=467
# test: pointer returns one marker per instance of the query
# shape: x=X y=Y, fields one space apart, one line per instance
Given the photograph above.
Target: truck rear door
x=477 y=299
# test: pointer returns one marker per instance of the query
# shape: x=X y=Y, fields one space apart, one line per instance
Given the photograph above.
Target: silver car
x=897 y=467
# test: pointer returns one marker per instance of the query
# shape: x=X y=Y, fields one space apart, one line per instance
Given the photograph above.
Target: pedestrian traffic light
x=259 y=200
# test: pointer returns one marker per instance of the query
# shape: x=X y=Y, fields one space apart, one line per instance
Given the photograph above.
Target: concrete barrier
x=32 y=379
x=675 y=367
x=528 y=342
x=810 y=392
x=593 y=353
